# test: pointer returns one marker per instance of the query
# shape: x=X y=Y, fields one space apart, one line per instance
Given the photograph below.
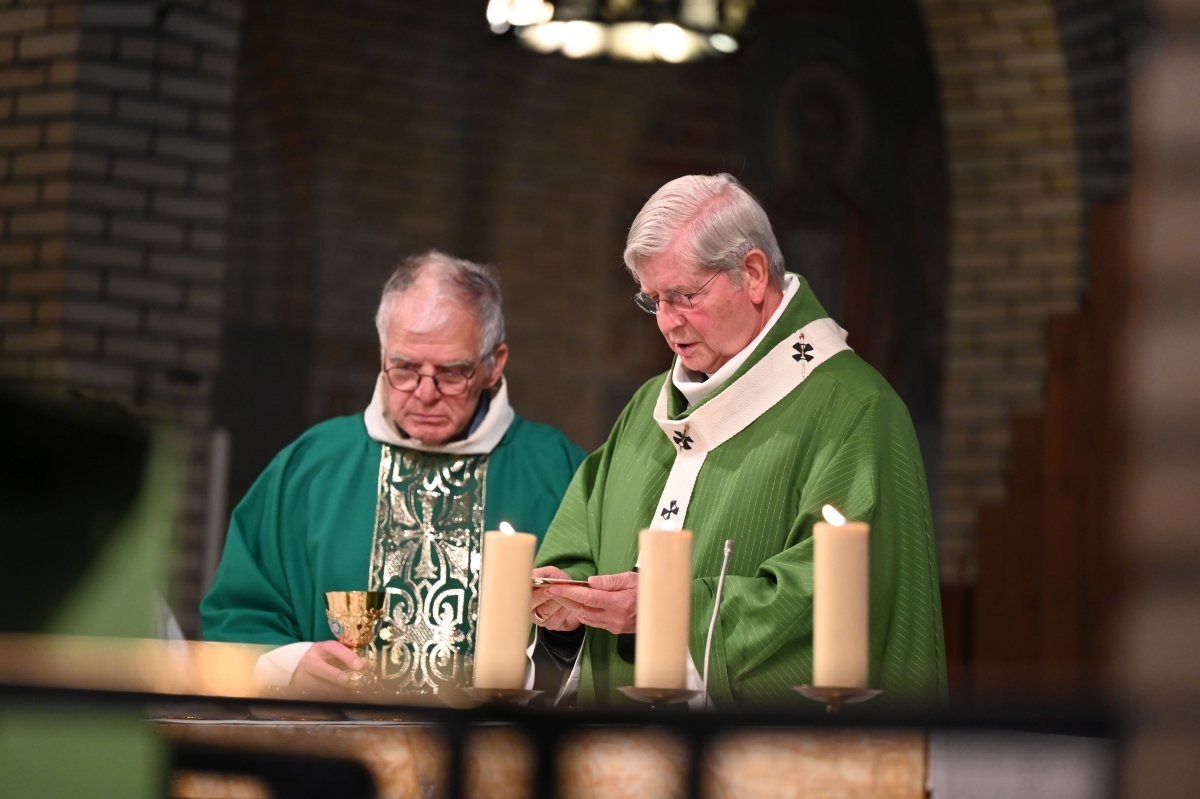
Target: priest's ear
x=756 y=274
x=499 y=359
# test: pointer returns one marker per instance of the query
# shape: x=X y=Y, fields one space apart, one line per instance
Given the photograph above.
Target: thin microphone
x=712 y=624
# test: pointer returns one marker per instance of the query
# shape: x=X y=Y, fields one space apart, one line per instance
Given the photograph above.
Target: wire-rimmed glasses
x=448 y=382
x=678 y=301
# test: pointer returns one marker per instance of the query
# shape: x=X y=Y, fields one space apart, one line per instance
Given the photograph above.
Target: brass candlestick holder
x=834 y=696
x=354 y=619
x=657 y=698
x=500 y=696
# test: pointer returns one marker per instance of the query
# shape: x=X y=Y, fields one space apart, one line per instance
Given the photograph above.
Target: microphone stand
x=712 y=624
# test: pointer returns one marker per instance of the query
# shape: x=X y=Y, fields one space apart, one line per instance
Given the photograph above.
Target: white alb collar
x=495 y=424
x=696 y=390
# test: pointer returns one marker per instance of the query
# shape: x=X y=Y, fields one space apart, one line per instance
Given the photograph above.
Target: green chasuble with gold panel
x=339 y=509
x=841 y=436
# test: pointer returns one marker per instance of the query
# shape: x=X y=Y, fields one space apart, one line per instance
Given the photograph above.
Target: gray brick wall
x=113 y=207
x=1015 y=248
x=320 y=206
x=117 y=136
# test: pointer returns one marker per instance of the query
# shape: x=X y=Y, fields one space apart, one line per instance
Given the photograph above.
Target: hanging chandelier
x=629 y=30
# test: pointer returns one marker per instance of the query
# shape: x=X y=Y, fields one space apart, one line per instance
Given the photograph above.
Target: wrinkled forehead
x=431 y=325
x=670 y=271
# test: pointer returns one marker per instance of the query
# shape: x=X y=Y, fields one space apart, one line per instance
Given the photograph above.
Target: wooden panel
x=1102 y=580
x=1062 y=523
x=1007 y=602
x=1047 y=578
x=957 y=601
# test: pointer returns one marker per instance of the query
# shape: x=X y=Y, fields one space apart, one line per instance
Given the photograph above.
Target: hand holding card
x=558 y=581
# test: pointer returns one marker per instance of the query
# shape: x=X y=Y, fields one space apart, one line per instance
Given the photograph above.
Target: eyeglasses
x=449 y=382
x=676 y=300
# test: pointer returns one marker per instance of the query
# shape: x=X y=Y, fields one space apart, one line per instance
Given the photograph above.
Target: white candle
x=664 y=603
x=840 y=601
x=504 y=601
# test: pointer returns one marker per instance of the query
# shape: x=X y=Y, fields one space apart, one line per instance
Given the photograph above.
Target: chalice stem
x=360 y=676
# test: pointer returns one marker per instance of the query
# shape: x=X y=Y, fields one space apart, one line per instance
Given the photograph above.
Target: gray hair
x=478 y=285
x=715 y=216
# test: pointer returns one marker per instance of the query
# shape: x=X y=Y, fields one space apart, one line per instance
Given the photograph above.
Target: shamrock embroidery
x=803 y=350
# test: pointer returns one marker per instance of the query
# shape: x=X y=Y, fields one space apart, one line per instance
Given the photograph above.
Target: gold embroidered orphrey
x=426 y=555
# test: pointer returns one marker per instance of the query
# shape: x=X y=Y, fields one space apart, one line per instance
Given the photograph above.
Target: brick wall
x=370 y=136
x=114 y=124
x=38 y=94
x=457 y=141
x=364 y=136
x=1015 y=247
x=1096 y=38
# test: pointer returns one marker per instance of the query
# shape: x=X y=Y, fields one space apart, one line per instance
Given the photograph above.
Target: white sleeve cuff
x=275 y=668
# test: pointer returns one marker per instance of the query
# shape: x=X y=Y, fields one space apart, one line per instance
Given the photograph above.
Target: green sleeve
x=572 y=541
x=527 y=476
x=567 y=544
x=763 y=644
x=251 y=597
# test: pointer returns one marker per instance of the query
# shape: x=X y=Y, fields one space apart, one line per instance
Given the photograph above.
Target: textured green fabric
x=305 y=526
x=841 y=437
x=83 y=748
x=118 y=594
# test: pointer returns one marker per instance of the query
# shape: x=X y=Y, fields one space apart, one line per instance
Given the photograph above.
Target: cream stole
x=722 y=417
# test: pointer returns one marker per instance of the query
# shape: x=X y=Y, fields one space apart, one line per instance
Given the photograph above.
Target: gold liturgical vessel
x=355 y=618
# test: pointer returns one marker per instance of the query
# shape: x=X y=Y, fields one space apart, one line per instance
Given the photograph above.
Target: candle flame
x=506 y=528
x=832 y=516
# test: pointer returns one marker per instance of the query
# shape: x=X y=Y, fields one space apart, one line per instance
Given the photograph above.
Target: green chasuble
x=843 y=437
x=340 y=510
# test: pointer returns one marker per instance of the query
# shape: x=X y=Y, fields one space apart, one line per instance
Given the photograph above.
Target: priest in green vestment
x=394 y=499
x=766 y=416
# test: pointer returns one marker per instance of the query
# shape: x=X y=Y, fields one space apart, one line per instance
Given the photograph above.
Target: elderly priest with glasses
x=395 y=498
x=765 y=416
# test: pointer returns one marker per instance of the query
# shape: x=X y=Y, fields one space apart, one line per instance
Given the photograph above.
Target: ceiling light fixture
x=672 y=31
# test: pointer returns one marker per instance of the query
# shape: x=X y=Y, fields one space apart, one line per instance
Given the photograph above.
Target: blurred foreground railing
x=301 y=746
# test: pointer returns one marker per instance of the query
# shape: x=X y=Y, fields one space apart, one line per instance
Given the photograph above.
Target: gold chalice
x=354 y=618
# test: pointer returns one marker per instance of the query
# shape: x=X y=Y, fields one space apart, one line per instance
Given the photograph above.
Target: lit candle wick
x=832 y=516
x=506 y=528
